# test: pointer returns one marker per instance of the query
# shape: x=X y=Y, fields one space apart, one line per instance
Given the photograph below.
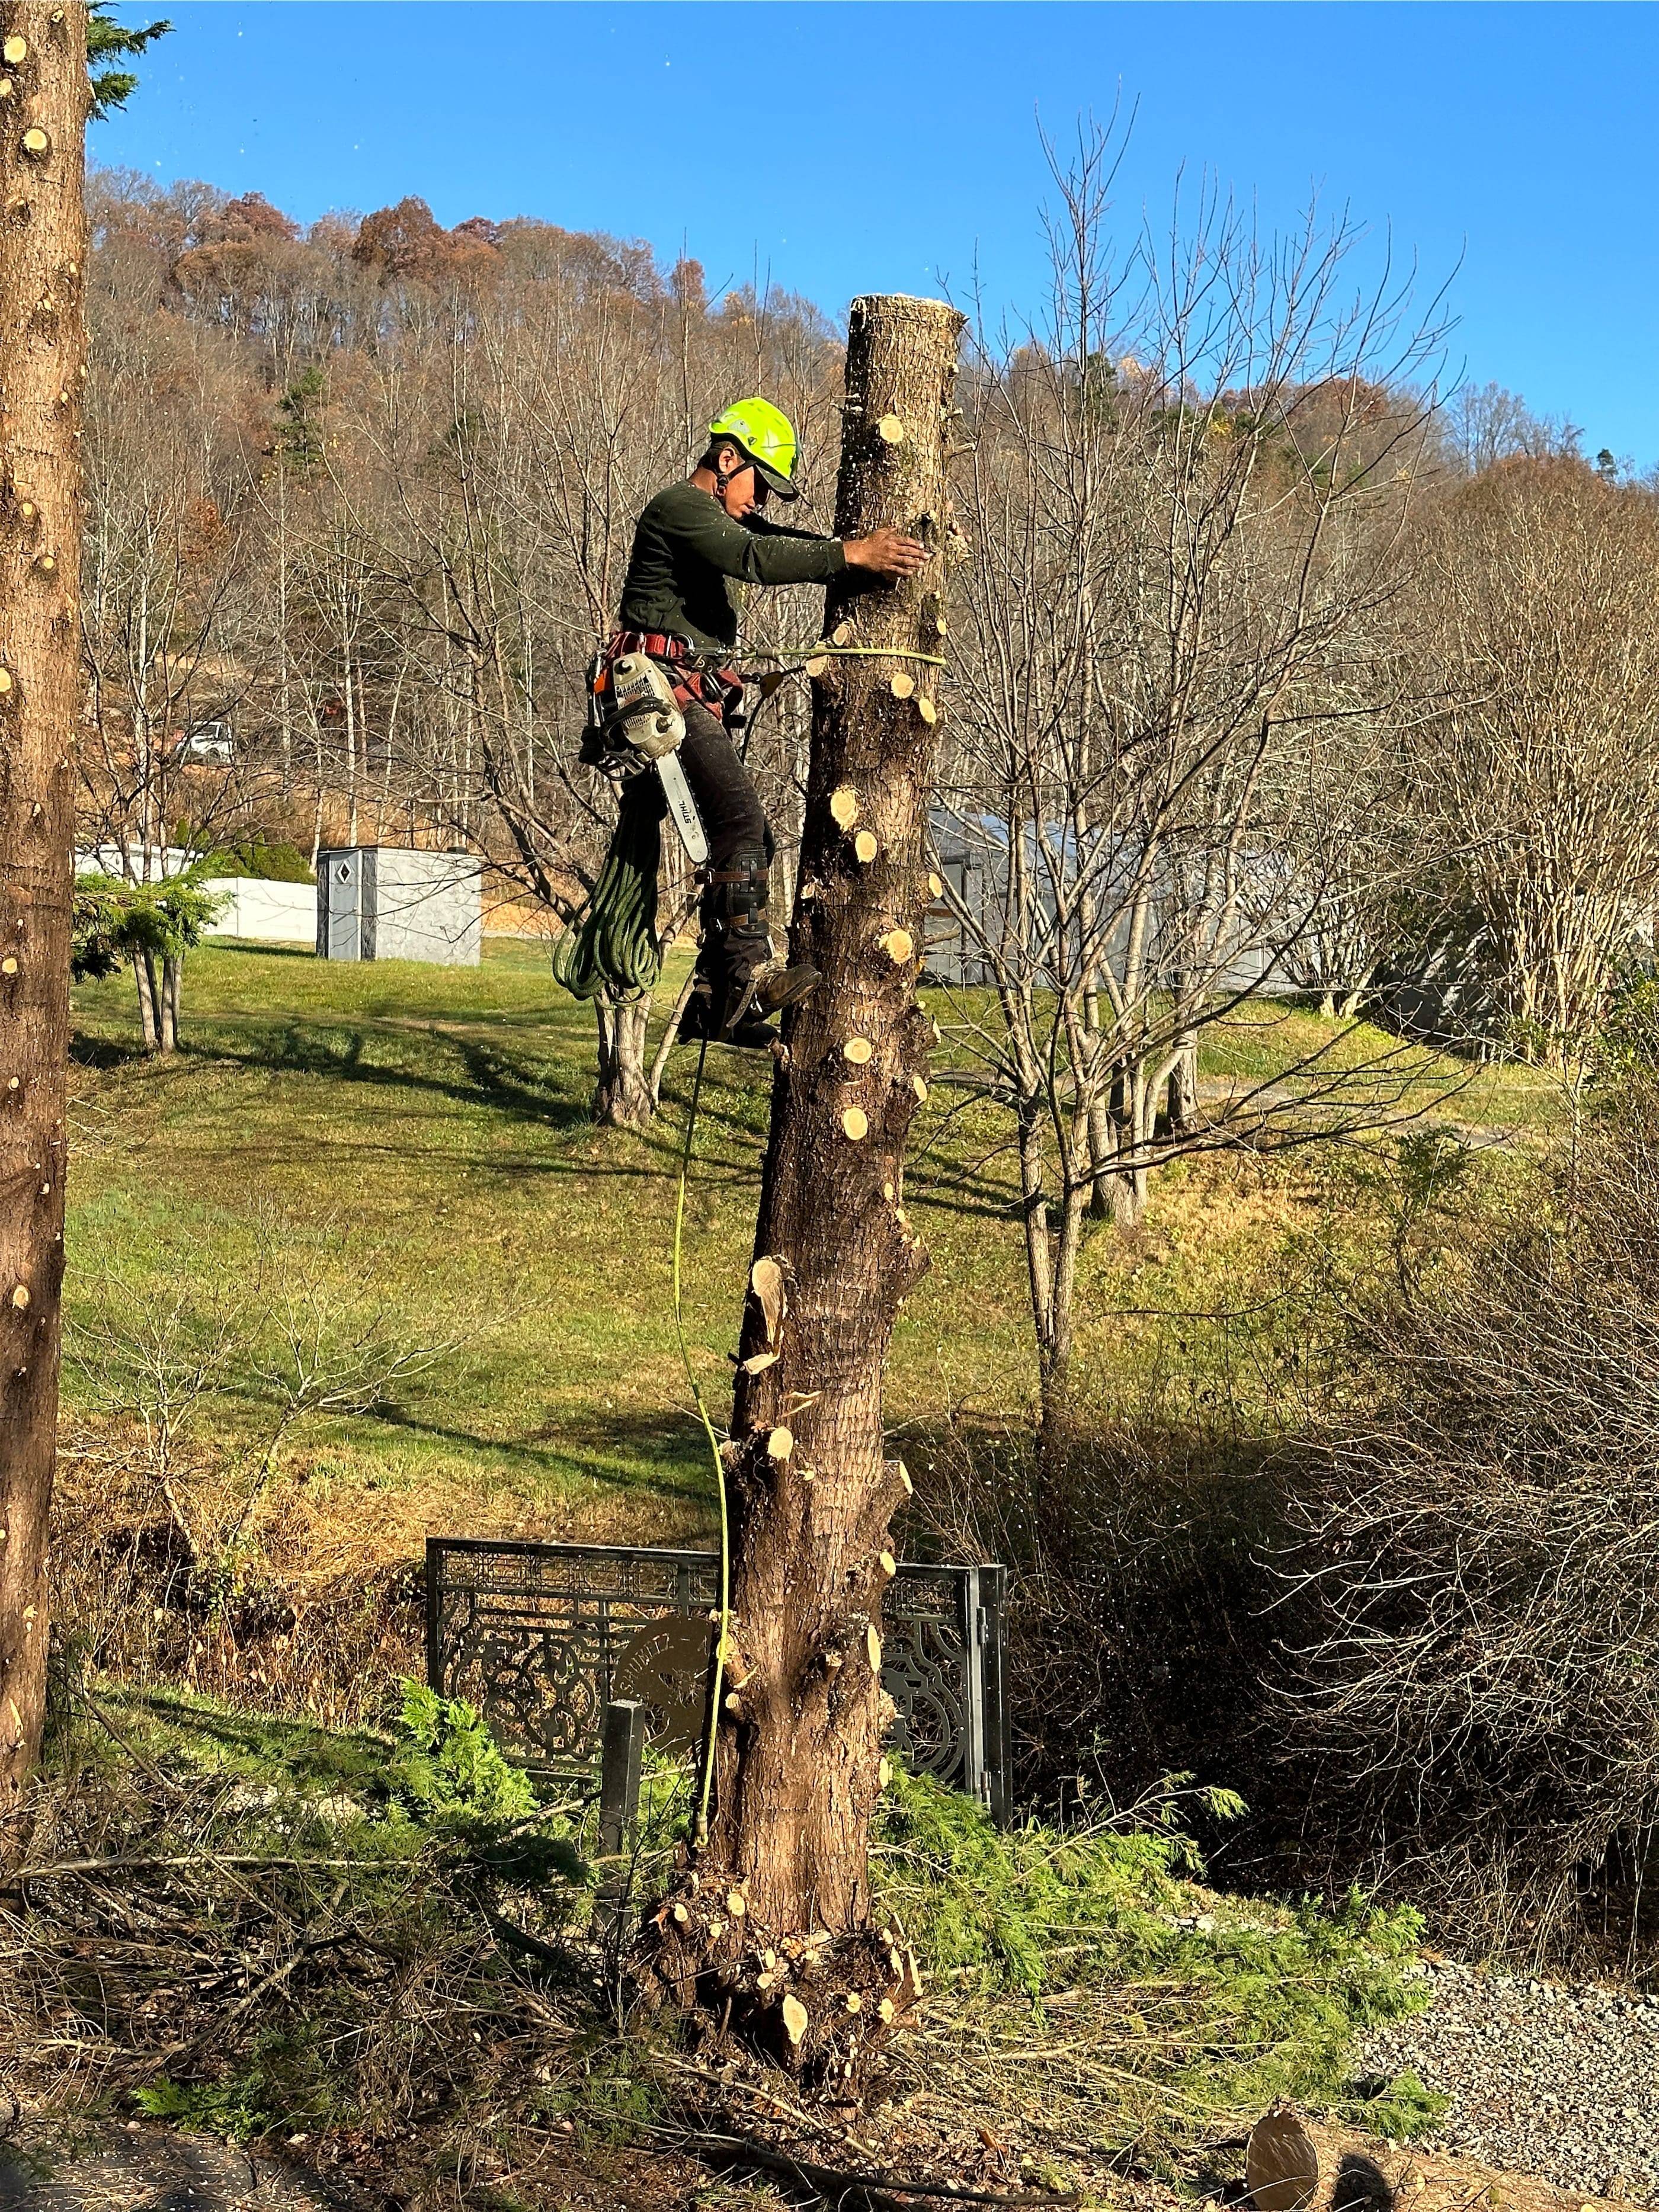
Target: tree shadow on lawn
x=105 y=1052
x=261 y=949
x=296 y=1750
x=515 y=1089
x=661 y=1454
x=522 y=1091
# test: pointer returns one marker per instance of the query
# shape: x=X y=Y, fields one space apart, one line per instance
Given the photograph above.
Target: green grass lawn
x=407 y=1150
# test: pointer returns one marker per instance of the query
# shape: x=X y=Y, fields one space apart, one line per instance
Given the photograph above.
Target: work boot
x=749 y=1031
x=739 y=984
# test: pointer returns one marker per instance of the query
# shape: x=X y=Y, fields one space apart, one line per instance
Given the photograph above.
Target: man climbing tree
x=773 y=1926
x=665 y=689
x=44 y=51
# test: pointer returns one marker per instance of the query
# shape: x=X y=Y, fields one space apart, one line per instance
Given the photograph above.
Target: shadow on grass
x=516 y=1090
x=263 y=1744
x=657 y=1456
x=260 y=949
x=105 y=1052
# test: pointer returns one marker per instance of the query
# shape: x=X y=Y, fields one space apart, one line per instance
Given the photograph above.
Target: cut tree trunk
x=43 y=259
x=783 y=1876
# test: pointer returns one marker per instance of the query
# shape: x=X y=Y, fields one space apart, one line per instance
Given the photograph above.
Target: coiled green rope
x=614 y=947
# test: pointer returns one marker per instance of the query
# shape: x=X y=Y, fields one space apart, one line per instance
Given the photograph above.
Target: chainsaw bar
x=682 y=807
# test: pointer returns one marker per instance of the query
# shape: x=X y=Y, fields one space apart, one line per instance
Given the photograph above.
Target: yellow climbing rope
x=712 y=1736
x=824 y=651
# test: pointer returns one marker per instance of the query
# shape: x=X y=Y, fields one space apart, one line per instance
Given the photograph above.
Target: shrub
x=1166 y=2009
x=1480 y=1673
x=274 y=861
x=449 y=1774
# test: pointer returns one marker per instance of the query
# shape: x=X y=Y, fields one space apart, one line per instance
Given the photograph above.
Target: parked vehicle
x=207 y=742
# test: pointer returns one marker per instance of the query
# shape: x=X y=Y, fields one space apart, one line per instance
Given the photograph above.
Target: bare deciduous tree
x=1474 y=1607
x=1185 y=504
x=1534 y=785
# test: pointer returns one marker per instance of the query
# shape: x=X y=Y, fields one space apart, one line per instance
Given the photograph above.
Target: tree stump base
x=820 y=2006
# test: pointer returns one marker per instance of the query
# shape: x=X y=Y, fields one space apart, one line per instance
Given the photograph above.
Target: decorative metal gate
x=539 y=1636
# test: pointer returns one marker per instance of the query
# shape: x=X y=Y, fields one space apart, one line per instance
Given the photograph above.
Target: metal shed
x=391 y=903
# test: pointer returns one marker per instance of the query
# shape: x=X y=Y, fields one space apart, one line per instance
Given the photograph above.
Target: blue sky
x=871 y=146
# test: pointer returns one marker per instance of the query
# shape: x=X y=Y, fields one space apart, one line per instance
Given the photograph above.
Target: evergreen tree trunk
x=43 y=259
x=172 y=965
x=802 y=1713
x=149 y=999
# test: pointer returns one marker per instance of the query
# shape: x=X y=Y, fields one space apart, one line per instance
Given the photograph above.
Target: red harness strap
x=716 y=689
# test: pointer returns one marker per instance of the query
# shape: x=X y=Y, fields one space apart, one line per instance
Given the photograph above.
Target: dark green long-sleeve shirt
x=685 y=548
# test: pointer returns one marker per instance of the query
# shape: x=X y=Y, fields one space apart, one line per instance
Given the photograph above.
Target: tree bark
x=800 y=1721
x=149 y=999
x=622 y=1095
x=43 y=259
x=172 y=966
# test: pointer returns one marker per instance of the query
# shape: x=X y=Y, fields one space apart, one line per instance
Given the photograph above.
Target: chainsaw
x=634 y=723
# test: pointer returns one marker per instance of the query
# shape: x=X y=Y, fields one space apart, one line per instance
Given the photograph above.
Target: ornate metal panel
x=540 y=1636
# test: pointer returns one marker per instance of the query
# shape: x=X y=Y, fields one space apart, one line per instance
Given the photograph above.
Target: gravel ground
x=1544 y=2078
x=104 y=2167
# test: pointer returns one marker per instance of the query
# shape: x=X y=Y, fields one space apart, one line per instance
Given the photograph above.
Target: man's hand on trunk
x=886 y=553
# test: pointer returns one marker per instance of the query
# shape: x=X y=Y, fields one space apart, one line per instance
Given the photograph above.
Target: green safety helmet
x=765 y=436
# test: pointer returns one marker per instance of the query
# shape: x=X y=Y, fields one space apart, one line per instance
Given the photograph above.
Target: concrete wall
x=266 y=913
x=147 y=864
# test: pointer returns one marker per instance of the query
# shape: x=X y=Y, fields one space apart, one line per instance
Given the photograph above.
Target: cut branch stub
x=899 y=945
x=858 y=1050
x=844 y=806
x=865 y=846
x=766 y=1281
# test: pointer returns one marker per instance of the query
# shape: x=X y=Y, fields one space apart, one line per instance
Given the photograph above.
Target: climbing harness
x=638 y=690
x=724 y=1621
